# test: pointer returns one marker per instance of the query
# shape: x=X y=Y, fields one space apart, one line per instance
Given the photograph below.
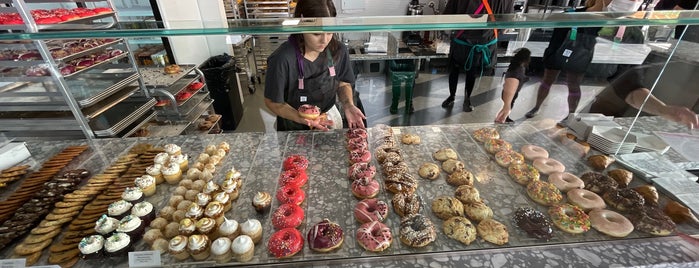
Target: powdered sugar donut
x=548 y=165
x=532 y=152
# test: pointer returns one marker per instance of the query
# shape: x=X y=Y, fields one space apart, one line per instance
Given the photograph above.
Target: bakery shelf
x=115 y=120
x=99 y=64
x=90 y=51
x=198 y=110
x=104 y=105
x=137 y=124
x=181 y=84
x=194 y=127
x=20 y=63
x=156 y=76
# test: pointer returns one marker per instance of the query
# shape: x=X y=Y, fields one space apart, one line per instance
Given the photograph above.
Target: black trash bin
x=220 y=75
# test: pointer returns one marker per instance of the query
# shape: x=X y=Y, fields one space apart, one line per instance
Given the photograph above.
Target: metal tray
x=77 y=24
x=106 y=104
x=88 y=90
x=137 y=124
x=156 y=77
x=118 y=57
x=89 y=51
x=113 y=121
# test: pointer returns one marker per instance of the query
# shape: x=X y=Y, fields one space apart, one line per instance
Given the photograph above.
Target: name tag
x=144 y=259
x=303 y=99
x=567 y=53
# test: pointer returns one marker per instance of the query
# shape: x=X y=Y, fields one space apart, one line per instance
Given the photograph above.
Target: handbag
x=576 y=51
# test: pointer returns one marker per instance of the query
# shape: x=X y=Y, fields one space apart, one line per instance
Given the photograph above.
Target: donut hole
x=370 y=209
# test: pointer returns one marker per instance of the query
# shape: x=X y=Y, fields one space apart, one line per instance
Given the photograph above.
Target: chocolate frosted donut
x=401 y=183
x=598 y=182
x=417 y=231
x=405 y=204
x=534 y=223
x=652 y=220
x=624 y=199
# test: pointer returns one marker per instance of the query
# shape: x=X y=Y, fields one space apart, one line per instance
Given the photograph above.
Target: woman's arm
x=508 y=93
x=285 y=111
x=655 y=106
x=355 y=117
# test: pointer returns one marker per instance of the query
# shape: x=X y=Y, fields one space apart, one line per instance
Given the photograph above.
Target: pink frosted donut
x=369 y=210
x=374 y=236
x=359 y=156
x=356 y=133
x=610 y=223
x=565 y=181
x=361 y=170
x=357 y=143
x=585 y=199
x=548 y=165
x=532 y=152
x=365 y=188
x=287 y=216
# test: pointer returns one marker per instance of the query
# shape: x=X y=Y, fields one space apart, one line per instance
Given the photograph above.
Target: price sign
x=144 y=259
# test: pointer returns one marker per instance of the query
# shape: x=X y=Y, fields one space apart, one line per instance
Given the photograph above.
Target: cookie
x=44 y=230
x=55 y=217
x=60 y=257
x=33 y=239
x=26 y=249
x=32 y=259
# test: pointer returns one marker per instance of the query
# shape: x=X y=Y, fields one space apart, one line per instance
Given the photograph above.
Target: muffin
x=178 y=247
x=194 y=212
x=179 y=215
x=175 y=200
x=132 y=226
x=172 y=149
x=119 y=209
x=118 y=245
x=161 y=159
x=224 y=199
x=172 y=173
x=106 y=225
x=151 y=235
x=198 y=185
x=229 y=228
x=243 y=248
x=147 y=184
x=91 y=247
x=206 y=226
x=214 y=210
x=232 y=187
x=182 y=160
x=180 y=190
x=132 y=195
x=184 y=205
x=210 y=187
x=221 y=250
x=186 y=183
x=199 y=247
x=262 y=201
x=154 y=171
x=144 y=211
x=203 y=199
x=191 y=195
x=187 y=227
x=253 y=229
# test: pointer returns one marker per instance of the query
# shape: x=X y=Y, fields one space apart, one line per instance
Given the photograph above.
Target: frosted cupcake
x=119 y=209
x=144 y=210
x=253 y=229
x=206 y=226
x=262 y=201
x=194 y=212
x=181 y=159
x=118 y=245
x=210 y=187
x=221 y=250
x=224 y=199
x=187 y=226
x=229 y=228
x=132 y=195
x=173 y=149
x=154 y=171
x=91 y=247
x=172 y=173
x=232 y=187
x=233 y=174
x=106 y=225
x=132 y=226
x=147 y=184
x=214 y=210
x=203 y=199
x=161 y=159
x=178 y=247
x=199 y=247
x=243 y=248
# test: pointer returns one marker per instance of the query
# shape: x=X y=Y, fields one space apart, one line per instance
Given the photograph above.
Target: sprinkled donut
x=374 y=236
x=365 y=188
x=569 y=218
x=523 y=173
x=295 y=161
x=361 y=170
x=405 y=204
x=285 y=243
x=585 y=200
x=548 y=165
x=532 y=152
x=359 y=156
x=495 y=145
x=287 y=216
x=485 y=134
x=610 y=223
x=565 y=181
x=544 y=193
x=290 y=195
x=506 y=157
x=293 y=177
x=369 y=210
x=417 y=231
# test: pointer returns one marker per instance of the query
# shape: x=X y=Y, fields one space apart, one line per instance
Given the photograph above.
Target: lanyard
x=299 y=61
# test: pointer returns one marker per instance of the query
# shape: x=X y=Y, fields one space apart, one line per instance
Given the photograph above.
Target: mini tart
x=119 y=209
x=243 y=248
x=221 y=250
x=206 y=225
x=118 y=245
x=132 y=195
x=187 y=226
x=203 y=199
x=194 y=212
x=233 y=174
x=253 y=229
x=106 y=225
x=232 y=187
x=198 y=247
x=262 y=201
x=229 y=228
x=144 y=210
x=178 y=247
x=214 y=210
x=210 y=188
x=131 y=225
x=225 y=199
x=91 y=247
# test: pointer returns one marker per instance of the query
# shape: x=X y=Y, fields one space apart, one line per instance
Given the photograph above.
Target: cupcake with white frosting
x=181 y=159
x=147 y=184
x=243 y=248
x=119 y=209
x=253 y=229
x=199 y=247
x=145 y=211
x=172 y=173
x=91 y=247
x=161 y=159
x=106 y=225
x=132 y=195
x=177 y=247
x=172 y=149
x=132 y=226
x=221 y=250
x=118 y=245
x=154 y=170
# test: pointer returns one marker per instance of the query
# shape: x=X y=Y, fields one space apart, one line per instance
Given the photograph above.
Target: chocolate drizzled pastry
x=534 y=223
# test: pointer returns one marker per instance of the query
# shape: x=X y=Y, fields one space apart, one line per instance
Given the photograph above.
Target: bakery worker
x=312 y=68
x=625 y=95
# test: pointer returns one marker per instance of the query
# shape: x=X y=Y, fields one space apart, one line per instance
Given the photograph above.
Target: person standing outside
x=472 y=51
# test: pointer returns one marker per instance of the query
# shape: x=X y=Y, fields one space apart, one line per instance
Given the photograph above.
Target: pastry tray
x=156 y=77
x=113 y=121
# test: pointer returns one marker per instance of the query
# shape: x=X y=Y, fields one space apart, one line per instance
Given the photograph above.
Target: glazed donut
x=544 y=193
x=285 y=243
x=399 y=167
x=534 y=223
x=446 y=207
x=495 y=145
x=565 y=181
x=444 y=154
x=461 y=177
x=610 y=223
x=485 y=134
x=652 y=220
x=429 y=171
x=548 y=165
x=357 y=144
x=585 y=200
x=493 y=231
x=598 y=182
x=361 y=170
x=532 y=152
x=506 y=157
x=405 y=204
x=417 y=231
x=295 y=162
x=383 y=152
x=359 y=156
x=353 y=133
x=401 y=183
x=365 y=188
x=293 y=177
x=623 y=199
x=325 y=236
x=467 y=194
x=309 y=111
x=451 y=165
x=287 y=216
x=410 y=139
x=523 y=173
x=369 y=210
x=290 y=195
x=569 y=218
x=478 y=211
x=374 y=236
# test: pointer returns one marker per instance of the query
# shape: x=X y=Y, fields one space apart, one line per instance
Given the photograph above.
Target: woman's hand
x=681 y=115
x=321 y=123
x=355 y=117
x=502 y=115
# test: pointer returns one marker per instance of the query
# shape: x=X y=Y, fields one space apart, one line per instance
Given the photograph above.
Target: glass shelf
x=376 y=23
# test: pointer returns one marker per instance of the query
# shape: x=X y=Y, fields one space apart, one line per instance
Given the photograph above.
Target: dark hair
x=522 y=56
x=316 y=9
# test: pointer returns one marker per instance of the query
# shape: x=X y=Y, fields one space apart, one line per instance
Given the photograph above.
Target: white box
x=12 y=154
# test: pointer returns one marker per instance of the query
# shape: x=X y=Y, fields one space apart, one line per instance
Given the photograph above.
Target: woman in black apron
x=312 y=68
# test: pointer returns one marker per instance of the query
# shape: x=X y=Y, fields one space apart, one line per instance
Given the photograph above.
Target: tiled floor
x=429 y=92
